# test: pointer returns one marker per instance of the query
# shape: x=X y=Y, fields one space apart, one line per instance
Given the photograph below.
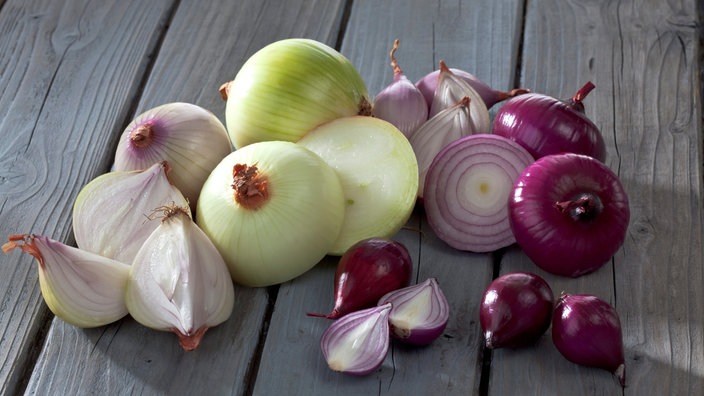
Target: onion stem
x=143 y=135
x=584 y=207
x=250 y=186
x=576 y=101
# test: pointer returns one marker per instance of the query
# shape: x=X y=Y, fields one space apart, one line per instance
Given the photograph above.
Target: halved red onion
x=467 y=189
x=587 y=331
x=515 y=310
x=419 y=313
x=357 y=343
x=569 y=213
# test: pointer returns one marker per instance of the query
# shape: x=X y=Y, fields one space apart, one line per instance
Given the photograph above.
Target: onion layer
x=467 y=188
x=273 y=209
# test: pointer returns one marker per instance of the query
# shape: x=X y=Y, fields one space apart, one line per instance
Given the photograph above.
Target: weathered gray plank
x=68 y=69
x=643 y=58
x=428 y=32
x=191 y=64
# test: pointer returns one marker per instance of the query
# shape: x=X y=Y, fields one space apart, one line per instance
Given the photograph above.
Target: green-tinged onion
x=288 y=88
x=273 y=209
x=378 y=171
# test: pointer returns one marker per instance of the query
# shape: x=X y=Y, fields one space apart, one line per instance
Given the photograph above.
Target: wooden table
x=73 y=73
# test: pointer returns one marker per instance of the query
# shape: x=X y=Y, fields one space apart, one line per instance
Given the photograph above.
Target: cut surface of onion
x=357 y=343
x=273 y=209
x=467 y=189
x=379 y=175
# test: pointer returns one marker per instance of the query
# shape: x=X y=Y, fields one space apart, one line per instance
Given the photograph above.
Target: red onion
x=419 y=313
x=428 y=83
x=515 y=310
x=357 y=343
x=366 y=272
x=569 y=213
x=401 y=103
x=587 y=331
x=545 y=125
x=467 y=189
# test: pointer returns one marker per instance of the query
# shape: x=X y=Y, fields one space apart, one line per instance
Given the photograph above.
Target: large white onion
x=280 y=220
x=289 y=87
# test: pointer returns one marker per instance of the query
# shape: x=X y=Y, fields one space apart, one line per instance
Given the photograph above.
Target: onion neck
x=583 y=208
x=576 y=101
x=143 y=135
x=251 y=187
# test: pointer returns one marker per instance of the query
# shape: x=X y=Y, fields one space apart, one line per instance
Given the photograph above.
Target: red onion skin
x=545 y=125
x=586 y=330
x=516 y=309
x=366 y=272
x=428 y=83
x=554 y=240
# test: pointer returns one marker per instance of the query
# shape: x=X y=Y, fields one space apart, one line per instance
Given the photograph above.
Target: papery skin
x=81 y=288
x=111 y=212
x=179 y=282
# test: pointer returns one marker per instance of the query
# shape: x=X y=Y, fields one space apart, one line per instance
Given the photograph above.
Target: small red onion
x=467 y=189
x=401 y=103
x=419 y=313
x=428 y=83
x=545 y=125
x=587 y=331
x=569 y=213
x=366 y=272
x=515 y=310
x=357 y=343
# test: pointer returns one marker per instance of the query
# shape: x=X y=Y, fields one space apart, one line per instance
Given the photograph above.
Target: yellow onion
x=289 y=87
x=273 y=209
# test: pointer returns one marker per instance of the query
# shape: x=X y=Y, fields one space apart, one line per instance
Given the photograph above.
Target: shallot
x=366 y=272
x=587 y=331
x=419 y=313
x=358 y=342
x=515 y=310
x=401 y=103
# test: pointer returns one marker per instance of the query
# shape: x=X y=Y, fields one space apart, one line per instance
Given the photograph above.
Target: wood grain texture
x=643 y=58
x=127 y=356
x=453 y=363
x=68 y=69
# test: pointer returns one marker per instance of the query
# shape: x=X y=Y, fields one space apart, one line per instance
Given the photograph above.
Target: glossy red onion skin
x=586 y=330
x=515 y=310
x=366 y=272
x=428 y=83
x=555 y=241
x=427 y=333
x=545 y=125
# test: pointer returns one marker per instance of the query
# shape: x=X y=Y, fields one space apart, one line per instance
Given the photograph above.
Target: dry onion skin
x=273 y=209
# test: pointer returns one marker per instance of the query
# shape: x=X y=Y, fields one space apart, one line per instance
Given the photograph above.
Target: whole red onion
x=515 y=310
x=587 y=331
x=545 y=125
x=569 y=213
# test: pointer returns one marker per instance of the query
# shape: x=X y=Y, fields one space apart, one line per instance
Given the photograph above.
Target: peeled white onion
x=273 y=209
x=379 y=174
